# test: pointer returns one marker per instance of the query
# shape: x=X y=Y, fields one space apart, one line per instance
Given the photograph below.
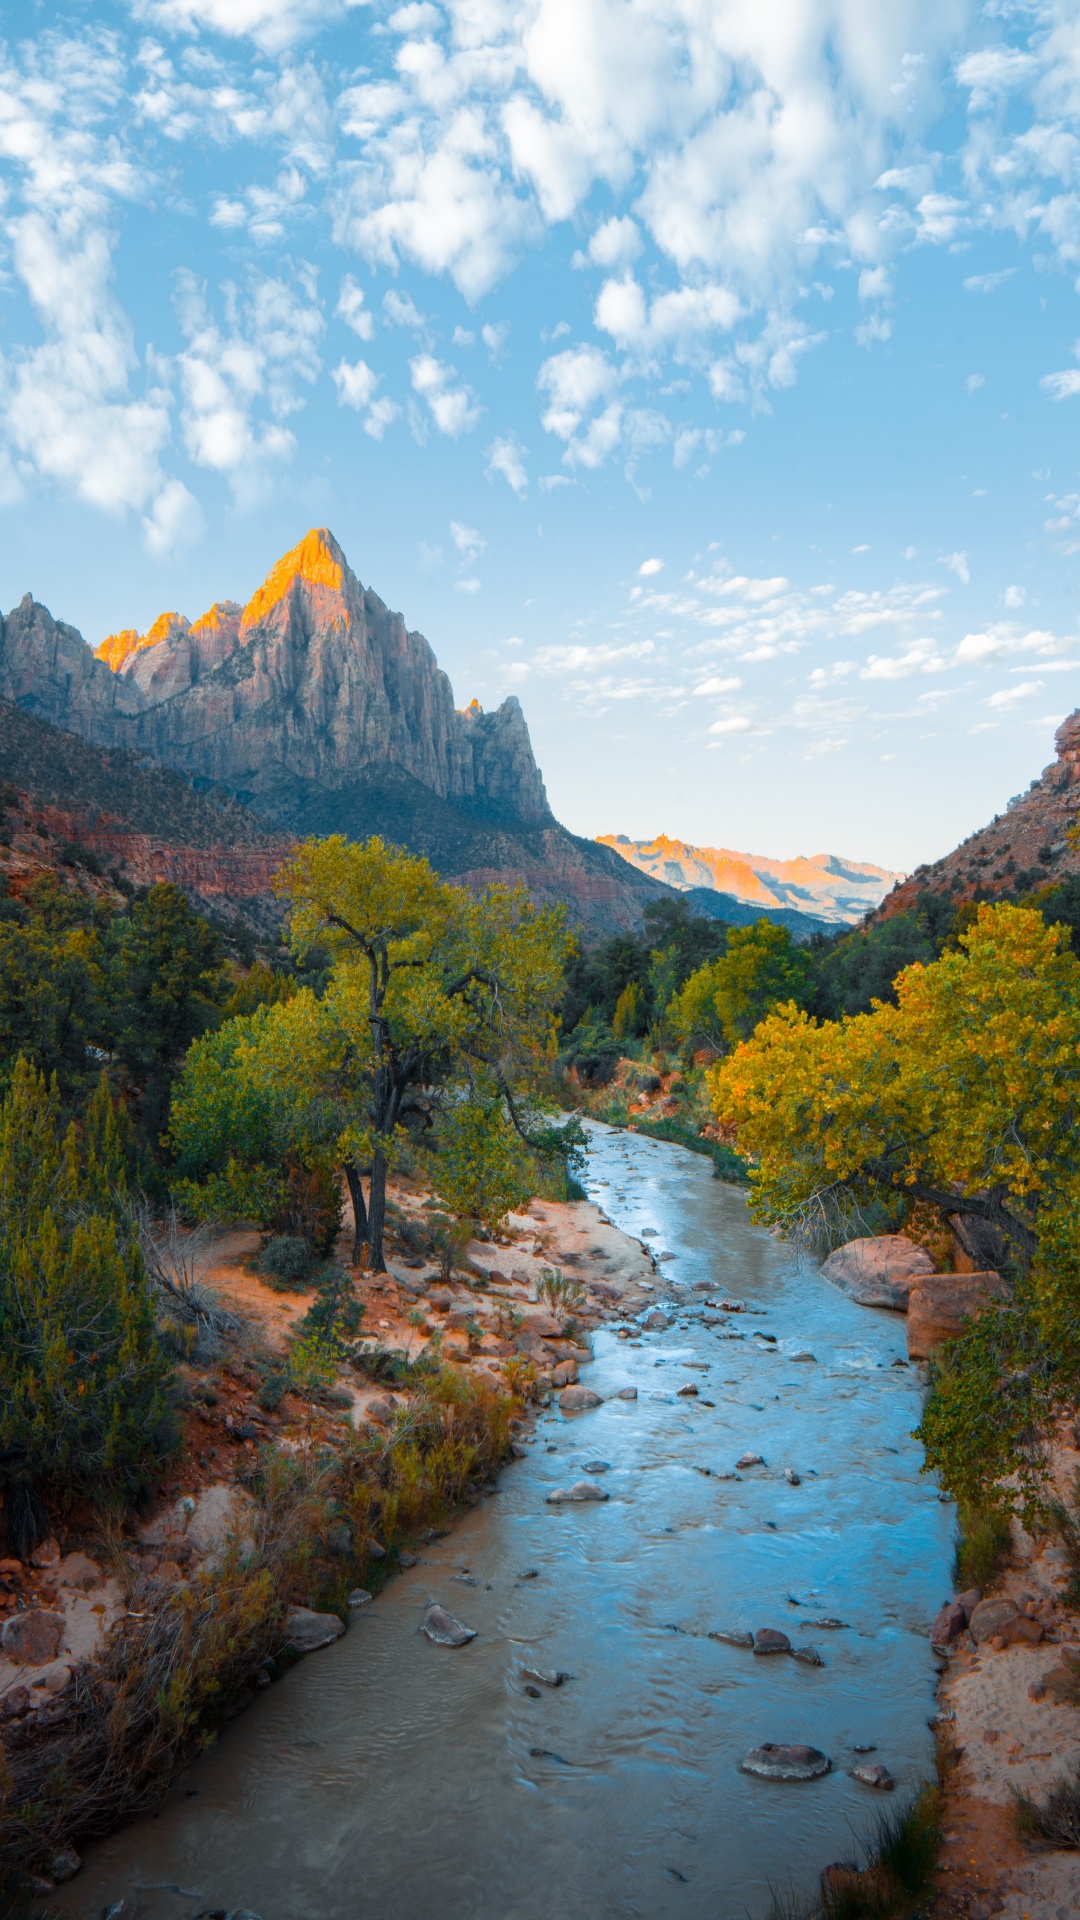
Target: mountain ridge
x=827 y=888
x=316 y=708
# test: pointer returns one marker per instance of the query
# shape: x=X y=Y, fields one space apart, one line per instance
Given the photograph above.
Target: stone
x=565 y=1374
x=880 y=1271
x=990 y=1617
x=874 y=1776
x=440 y=1299
x=771 y=1640
x=359 y=1597
x=407 y=1560
x=581 y=1491
x=749 y=1460
x=307 y=1631
x=733 y=1636
x=15 y=1701
x=834 y=1626
x=948 y=1624
x=793 y=1479
x=689 y=1392
x=55 y=1678
x=578 y=1399
x=809 y=1656
x=656 y=1320
x=1061 y=1683
x=795 y=1762
x=32 y=1638
x=626 y=1393
x=64 y=1865
x=518 y=1450
x=547 y=1676
x=380 y=1411
x=939 y=1308
x=443 y=1630
x=804 y=1355
x=47 y=1555
x=77 y=1570
x=969 y=1601
x=375 y=1550
x=597 y=1466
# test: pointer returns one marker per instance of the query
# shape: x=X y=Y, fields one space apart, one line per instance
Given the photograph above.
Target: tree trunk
x=377 y=1212
x=360 y=1218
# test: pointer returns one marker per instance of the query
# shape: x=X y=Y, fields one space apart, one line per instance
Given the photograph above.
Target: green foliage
x=286 y=1260
x=861 y=967
x=761 y=970
x=629 y=1017
x=334 y=1318
x=596 y=977
x=482 y=1170
x=991 y=1395
x=448 y=1240
x=985 y=1533
x=83 y=1378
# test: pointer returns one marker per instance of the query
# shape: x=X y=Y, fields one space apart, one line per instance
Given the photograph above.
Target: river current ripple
x=390 y=1778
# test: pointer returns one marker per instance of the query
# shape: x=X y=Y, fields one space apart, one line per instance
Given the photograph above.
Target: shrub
x=286 y=1260
x=1055 y=1821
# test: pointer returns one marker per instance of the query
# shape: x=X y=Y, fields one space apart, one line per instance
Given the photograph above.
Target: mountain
x=1027 y=846
x=65 y=800
x=317 y=709
x=829 y=890
x=706 y=904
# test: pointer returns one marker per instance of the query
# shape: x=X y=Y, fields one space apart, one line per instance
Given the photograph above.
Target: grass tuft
x=982 y=1547
x=1053 y=1822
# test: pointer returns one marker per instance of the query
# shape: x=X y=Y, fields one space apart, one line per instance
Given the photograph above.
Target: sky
x=706 y=373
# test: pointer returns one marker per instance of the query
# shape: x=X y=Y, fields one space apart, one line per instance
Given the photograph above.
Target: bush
x=1055 y=1821
x=982 y=1546
x=287 y=1261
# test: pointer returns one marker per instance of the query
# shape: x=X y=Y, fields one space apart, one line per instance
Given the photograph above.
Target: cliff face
x=1022 y=848
x=315 y=707
x=314 y=681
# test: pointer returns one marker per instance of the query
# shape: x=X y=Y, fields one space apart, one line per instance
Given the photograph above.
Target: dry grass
x=1055 y=1821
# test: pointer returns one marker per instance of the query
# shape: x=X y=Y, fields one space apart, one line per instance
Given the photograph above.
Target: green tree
x=83 y=1377
x=483 y=1171
x=160 y=982
x=629 y=1018
x=725 y=1000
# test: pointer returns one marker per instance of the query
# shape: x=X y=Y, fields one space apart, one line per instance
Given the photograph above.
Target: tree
x=160 y=979
x=724 y=1000
x=83 y=1377
x=432 y=992
x=628 y=1020
x=965 y=1095
x=484 y=1172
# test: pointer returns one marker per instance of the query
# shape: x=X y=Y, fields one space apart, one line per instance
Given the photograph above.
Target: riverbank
x=281 y=1503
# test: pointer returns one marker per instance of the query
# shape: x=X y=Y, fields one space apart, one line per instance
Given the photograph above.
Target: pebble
x=307 y=1631
x=597 y=1466
x=547 y=1676
x=833 y=1626
x=443 y=1630
x=407 y=1560
x=750 y=1460
x=773 y=1762
x=689 y=1392
x=64 y=1865
x=805 y=1356
x=792 y=1478
x=581 y=1491
x=626 y=1393
x=809 y=1656
x=733 y=1637
x=874 y=1776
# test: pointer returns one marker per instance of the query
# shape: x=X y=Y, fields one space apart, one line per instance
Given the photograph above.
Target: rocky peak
x=314 y=682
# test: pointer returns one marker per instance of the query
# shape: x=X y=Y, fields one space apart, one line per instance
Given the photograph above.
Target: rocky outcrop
x=939 y=1308
x=315 y=707
x=879 y=1272
x=822 y=885
x=1027 y=846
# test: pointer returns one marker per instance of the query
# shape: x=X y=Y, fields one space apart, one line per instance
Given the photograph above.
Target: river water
x=391 y=1778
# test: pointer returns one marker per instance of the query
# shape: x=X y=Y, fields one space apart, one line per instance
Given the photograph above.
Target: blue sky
x=705 y=372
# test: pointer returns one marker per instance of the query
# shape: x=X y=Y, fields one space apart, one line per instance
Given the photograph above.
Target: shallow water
x=388 y=1777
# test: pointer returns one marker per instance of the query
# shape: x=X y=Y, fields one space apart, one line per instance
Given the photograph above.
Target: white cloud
x=718 y=685
x=650 y=567
x=734 y=723
x=1015 y=596
x=175 y=520
x=272 y=24
x=507 y=457
x=616 y=243
x=454 y=409
x=1061 y=386
x=957 y=563
x=988 y=282
x=921 y=657
x=401 y=310
x=1011 y=696
x=974 y=381
x=380 y=416
x=355 y=383
x=495 y=339
x=351 y=309
x=469 y=541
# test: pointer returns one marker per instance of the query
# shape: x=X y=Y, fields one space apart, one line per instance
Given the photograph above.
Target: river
x=392 y=1778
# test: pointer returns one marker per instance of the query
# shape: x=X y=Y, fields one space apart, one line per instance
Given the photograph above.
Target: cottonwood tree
x=435 y=995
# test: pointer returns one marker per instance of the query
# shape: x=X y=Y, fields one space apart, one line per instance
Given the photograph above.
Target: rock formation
x=821 y=885
x=317 y=708
x=1025 y=847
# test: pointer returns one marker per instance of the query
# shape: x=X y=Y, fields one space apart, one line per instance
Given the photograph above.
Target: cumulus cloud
x=272 y=24
x=453 y=408
x=352 y=310
x=958 y=563
x=650 y=567
x=506 y=457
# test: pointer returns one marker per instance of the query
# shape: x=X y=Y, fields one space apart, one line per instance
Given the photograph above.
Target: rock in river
x=874 y=1776
x=443 y=1630
x=578 y=1399
x=771 y=1640
x=809 y=1656
x=581 y=1491
x=689 y=1392
x=750 y=1460
x=626 y=1393
x=771 y=1762
x=880 y=1271
x=306 y=1632
x=733 y=1636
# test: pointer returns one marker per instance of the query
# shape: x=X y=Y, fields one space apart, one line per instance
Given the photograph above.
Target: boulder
x=772 y=1762
x=874 y=1776
x=689 y=1392
x=443 y=1630
x=381 y=1412
x=749 y=1460
x=656 y=1321
x=565 y=1374
x=547 y=1676
x=578 y=1399
x=733 y=1636
x=581 y=1491
x=771 y=1640
x=64 y=1865
x=359 y=1597
x=626 y=1393
x=991 y=1617
x=949 y=1622
x=939 y=1308
x=809 y=1656
x=307 y=1631
x=545 y=1326
x=969 y=1601
x=879 y=1272
x=32 y=1639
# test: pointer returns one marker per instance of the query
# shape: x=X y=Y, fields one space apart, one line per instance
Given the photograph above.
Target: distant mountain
x=707 y=904
x=317 y=709
x=829 y=890
x=1027 y=846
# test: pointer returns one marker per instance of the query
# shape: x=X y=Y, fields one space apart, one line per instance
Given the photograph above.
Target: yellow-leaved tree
x=435 y=995
x=966 y=1096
